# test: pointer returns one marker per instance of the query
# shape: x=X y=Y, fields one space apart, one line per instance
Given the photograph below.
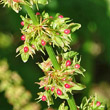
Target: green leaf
x=46 y=15
x=65 y=96
x=75 y=26
x=70 y=54
x=80 y=71
x=84 y=102
x=59 y=41
x=49 y=99
x=63 y=107
x=43 y=2
x=78 y=86
x=24 y=57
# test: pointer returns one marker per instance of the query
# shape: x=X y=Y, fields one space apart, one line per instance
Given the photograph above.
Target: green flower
x=91 y=104
x=54 y=31
x=60 y=82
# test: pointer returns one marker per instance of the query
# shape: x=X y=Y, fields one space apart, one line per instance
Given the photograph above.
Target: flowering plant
x=60 y=82
x=49 y=30
x=42 y=31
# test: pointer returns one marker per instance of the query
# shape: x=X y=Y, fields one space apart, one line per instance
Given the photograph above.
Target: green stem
x=31 y=14
x=71 y=103
x=52 y=56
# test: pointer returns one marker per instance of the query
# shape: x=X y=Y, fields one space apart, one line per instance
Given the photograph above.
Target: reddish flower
x=23 y=37
x=26 y=49
x=52 y=89
x=67 y=85
x=33 y=46
x=51 y=16
x=67 y=31
x=59 y=92
x=16 y=1
x=98 y=103
x=68 y=63
x=44 y=98
x=46 y=88
x=22 y=23
x=63 y=79
x=43 y=42
x=77 y=66
x=37 y=13
x=60 y=16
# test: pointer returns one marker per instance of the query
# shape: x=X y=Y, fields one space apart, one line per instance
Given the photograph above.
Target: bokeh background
x=17 y=79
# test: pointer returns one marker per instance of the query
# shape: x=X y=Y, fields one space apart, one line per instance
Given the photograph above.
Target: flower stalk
x=71 y=103
x=31 y=14
x=52 y=56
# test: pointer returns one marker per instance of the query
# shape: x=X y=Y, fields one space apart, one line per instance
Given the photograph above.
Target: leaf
x=19 y=48
x=24 y=57
x=63 y=107
x=84 y=101
x=43 y=2
x=78 y=86
x=59 y=41
x=46 y=15
x=70 y=54
x=75 y=26
x=65 y=96
x=80 y=71
x=49 y=99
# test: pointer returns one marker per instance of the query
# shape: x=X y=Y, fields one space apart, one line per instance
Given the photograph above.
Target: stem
x=31 y=14
x=71 y=103
x=52 y=56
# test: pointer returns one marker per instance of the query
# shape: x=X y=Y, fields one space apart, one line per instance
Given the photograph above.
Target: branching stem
x=52 y=56
x=31 y=14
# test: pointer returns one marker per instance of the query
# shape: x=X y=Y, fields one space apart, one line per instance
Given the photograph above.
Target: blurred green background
x=92 y=41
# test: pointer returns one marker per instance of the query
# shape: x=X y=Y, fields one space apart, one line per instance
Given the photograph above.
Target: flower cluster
x=87 y=104
x=60 y=82
x=16 y=4
x=91 y=104
x=14 y=91
x=49 y=30
x=63 y=107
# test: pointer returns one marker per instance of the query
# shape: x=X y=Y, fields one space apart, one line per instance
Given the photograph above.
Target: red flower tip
x=26 y=49
x=98 y=103
x=44 y=98
x=16 y=1
x=67 y=31
x=67 y=85
x=51 y=16
x=37 y=13
x=33 y=46
x=60 y=16
x=22 y=23
x=68 y=63
x=46 y=88
x=77 y=66
x=59 y=92
x=23 y=37
x=43 y=42
x=63 y=79
x=52 y=89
